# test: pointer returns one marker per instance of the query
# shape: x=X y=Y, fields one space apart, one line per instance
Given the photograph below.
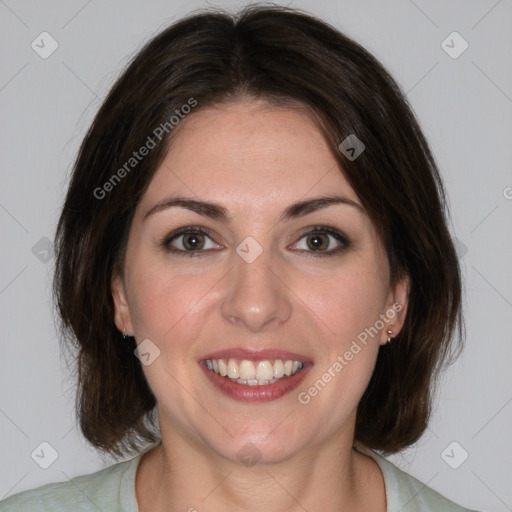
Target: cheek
x=347 y=303
x=350 y=303
x=350 y=308
x=166 y=306
x=170 y=309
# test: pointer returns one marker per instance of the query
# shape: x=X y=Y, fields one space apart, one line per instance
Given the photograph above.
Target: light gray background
x=464 y=106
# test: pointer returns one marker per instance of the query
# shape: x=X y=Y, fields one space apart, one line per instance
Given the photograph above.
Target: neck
x=179 y=475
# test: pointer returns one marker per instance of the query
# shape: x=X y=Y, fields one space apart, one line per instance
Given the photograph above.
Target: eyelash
x=188 y=230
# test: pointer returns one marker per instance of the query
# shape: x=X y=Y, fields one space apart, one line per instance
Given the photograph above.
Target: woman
x=254 y=261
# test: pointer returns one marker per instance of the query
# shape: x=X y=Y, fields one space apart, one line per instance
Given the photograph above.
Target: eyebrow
x=217 y=212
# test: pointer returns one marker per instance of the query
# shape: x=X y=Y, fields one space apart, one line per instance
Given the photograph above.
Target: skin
x=255 y=160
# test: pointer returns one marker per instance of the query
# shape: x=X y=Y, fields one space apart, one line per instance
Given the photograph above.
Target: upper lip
x=256 y=355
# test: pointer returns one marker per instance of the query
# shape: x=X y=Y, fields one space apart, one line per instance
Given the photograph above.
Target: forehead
x=249 y=152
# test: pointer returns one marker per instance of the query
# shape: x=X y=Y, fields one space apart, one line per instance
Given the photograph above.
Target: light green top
x=113 y=490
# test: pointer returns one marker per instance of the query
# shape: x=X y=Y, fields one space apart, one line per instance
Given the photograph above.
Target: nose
x=257 y=297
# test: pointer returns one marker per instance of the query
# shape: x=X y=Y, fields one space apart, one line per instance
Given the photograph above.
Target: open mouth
x=255 y=373
x=255 y=376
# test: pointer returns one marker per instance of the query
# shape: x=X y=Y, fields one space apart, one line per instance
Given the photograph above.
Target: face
x=249 y=270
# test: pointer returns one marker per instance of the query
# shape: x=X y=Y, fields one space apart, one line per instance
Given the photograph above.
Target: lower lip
x=264 y=393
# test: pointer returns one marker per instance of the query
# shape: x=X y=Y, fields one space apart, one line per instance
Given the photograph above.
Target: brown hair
x=278 y=54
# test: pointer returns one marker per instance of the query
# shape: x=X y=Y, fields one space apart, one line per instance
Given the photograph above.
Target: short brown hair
x=278 y=54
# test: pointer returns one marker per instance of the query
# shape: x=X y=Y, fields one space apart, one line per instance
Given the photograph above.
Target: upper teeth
x=257 y=372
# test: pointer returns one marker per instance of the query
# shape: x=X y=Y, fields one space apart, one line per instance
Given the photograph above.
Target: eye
x=192 y=241
x=322 y=240
x=189 y=240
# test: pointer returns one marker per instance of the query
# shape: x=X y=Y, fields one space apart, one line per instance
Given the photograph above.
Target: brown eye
x=317 y=242
x=192 y=241
x=323 y=241
x=189 y=241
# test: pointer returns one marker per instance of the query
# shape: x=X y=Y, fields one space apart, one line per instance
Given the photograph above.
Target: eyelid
x=187 y=229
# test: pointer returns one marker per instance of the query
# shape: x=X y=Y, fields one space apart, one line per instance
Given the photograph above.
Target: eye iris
x=317 y=242
x=192 y=241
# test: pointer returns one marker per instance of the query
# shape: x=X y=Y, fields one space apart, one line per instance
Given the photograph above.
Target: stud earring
x=390 y=332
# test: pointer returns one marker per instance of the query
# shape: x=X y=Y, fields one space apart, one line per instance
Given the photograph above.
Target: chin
x=263 y=444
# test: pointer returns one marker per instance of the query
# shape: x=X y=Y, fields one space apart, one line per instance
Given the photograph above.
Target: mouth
x=255 y=376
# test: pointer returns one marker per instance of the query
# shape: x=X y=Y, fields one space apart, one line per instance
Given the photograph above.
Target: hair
x=283 y=56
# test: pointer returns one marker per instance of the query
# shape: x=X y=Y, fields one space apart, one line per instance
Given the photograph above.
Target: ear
x=122 y=317
x=396 y=309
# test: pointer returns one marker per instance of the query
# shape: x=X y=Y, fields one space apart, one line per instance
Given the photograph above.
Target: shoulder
x=111 y=489
x=405 y=493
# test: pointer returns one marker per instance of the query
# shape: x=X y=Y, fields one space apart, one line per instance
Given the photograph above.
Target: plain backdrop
x=464 y=105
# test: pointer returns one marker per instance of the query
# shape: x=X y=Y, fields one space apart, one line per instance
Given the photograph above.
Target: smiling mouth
x=255 y=373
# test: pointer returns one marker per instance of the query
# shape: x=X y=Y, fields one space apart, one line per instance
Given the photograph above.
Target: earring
x=126 y=336
x=390 y=332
